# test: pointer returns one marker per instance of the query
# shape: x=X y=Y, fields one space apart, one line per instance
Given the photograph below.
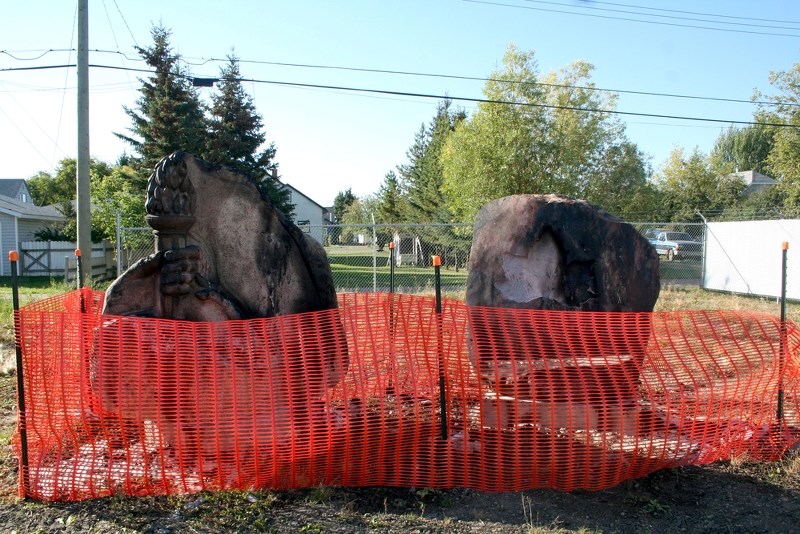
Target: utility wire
x=694 y=13
x=587 y=5
x=204 y=61
x=126 y=23
x=114 y=35
x=64 y=89
x=22 y=134
x=477 y=100
x=441 y=97
x=608 y=17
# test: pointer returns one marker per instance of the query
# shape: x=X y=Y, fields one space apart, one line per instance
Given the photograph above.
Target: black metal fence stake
x=80 y=279
x=13 y=257
x=80 y=268
x=437 y=265
x=782 y=355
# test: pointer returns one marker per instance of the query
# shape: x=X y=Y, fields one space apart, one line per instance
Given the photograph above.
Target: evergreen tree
x=168 y=115
x=423 y=175
x=341 y=203
x=235 y=135
x=390 y=200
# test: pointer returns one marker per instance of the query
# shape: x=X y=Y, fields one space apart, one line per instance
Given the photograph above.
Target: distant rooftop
x=9 y=187
x=755 y=181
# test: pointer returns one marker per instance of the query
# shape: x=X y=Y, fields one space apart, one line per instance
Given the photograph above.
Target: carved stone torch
x=170 y=209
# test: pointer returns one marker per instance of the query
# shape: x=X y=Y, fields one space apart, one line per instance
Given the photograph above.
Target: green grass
x=680 y=270
x=352 y=270
x=33 y=283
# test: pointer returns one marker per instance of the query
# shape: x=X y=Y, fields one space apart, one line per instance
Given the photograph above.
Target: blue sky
x=330 y=140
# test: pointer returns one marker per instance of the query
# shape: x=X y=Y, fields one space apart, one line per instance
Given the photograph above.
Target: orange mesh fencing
x=385 y=391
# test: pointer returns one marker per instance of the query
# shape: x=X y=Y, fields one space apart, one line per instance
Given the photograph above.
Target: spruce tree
x=390 y=200
x=423 y=175
x=235 y=135
x=343 y=200
x=168 y=115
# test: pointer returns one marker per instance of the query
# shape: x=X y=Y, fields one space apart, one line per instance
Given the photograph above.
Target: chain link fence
x=133 y=244
x=359 y=255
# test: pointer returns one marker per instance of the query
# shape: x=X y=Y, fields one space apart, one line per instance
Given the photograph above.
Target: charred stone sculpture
x=549 y=252
x=553 y=252
x=222 y=252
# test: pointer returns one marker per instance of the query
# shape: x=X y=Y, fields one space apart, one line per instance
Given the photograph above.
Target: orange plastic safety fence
x=386 y=392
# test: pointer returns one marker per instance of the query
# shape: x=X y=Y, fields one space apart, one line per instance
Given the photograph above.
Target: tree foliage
x=119 y=192
x=423 y=175
x=59 y=189
x=534 y=136
x=688 y=184
x=342 y=202
x=742 y=149
x=620 y=183
x=391 y=202
x=168 y=115
x=358 y=218
x=783 y=161
x=236 y=137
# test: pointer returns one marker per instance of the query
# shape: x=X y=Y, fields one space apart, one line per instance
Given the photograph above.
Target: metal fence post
x=437 y=264
x=119 y=243
x=782 y=355
x=80 y=267
x=23 y=430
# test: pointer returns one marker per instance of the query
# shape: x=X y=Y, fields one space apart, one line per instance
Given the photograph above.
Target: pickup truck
x=675 y=245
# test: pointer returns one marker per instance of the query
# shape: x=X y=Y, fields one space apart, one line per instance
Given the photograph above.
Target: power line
x=608 y=17
x=500 y=80
x=126 y=23
x=526 y=104
x=673 y=17
x=64 y=89
x=438 y=75
x=442 y=97
x=22 y=134
x=695 y=13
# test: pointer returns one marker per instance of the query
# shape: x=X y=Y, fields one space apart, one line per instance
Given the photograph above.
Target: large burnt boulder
x=553 y=252
x=561 y=367
x=223 y=252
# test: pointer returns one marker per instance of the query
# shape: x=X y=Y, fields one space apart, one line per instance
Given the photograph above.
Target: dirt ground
x=732 y=496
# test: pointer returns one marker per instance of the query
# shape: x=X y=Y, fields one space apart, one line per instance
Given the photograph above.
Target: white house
x=15 y=188
x=309 y=216
x=20 y=218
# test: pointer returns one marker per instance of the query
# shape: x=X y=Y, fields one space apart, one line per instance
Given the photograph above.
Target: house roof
x=26 y=210
x=754 y=178
x=293 y=188
x=9 y=187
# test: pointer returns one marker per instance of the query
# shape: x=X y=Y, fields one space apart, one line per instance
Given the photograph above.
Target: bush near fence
x=483 y=398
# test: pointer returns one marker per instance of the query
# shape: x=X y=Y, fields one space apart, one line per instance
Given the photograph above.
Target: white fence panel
x=57 y=258
x=745 y=257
